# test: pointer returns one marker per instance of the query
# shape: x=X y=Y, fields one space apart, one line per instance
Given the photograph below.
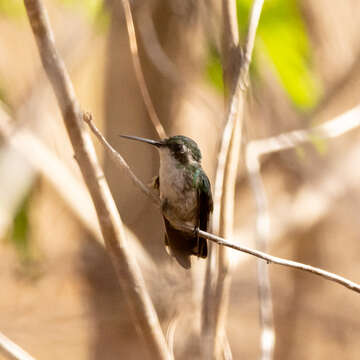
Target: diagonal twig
x=330 y=129
x=256 y=148
x=11 y=350
x=138 y=71
x=36 y=153
x=129 y=274
x=269 y=259
x=117 y=158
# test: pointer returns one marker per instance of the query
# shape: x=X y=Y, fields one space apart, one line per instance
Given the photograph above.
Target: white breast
x=172 y=182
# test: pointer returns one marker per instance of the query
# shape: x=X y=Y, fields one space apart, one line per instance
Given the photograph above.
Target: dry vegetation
x=60 y=296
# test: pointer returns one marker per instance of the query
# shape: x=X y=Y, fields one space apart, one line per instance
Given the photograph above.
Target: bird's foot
x=196 y=234
x=196 y=231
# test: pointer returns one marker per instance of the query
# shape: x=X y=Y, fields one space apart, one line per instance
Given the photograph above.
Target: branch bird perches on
x=269 y=259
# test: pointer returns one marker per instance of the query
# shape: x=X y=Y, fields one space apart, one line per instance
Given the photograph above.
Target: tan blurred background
x=59 y=297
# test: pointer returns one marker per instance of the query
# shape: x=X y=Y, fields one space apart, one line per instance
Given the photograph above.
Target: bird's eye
x=180 y=148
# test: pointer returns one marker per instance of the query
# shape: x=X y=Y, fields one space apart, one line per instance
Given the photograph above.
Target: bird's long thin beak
x=148 y=141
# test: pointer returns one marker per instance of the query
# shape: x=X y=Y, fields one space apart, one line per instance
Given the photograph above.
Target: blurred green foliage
x=12 y=8
x=19 y=235
x=213 y=69
x=30 y=264
x=283 y=41
x=321 y=145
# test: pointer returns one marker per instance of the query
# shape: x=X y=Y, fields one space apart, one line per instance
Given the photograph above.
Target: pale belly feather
x=181 y=202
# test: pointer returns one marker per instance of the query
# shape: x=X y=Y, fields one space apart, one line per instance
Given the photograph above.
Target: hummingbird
x=185 y=195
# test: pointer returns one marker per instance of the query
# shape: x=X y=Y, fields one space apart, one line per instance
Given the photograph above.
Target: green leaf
x=12 y=8
x=282 y=38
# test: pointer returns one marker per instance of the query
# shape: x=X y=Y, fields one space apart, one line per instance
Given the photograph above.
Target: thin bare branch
x=223 y=283
x=118 y=159
x=233 y=109
x=11 y=350
x=333 y=128
x=170 y=333
x=262 y=235
x=129 y=274
x=279 y=261
x=266 y=317
x=138 y=71
x=235 y=70
x=212 y=304
x=250 y=39
x=330 y=129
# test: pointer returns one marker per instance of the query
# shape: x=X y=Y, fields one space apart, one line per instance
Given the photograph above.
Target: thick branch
x=128 y=272
x=36 y=153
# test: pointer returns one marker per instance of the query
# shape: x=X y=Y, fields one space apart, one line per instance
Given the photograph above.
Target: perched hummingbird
x=185 y=195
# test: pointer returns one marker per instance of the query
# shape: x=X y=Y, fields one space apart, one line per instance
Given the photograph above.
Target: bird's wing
x=179 y=244
x=205 y=207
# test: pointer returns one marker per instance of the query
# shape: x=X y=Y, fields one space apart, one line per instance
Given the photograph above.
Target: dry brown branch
x=291 y=214
x=255 y=149
x=216 y=286
x=128 y=272
x=118 y=159
x=267 y=341
x=138 y=71
x=262 y=235
x=235 y=70
x=279 y=261
x=330 y=129
x=12 y=351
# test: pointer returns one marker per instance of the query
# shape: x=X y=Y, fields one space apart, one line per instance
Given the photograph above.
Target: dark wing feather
x=180 y=244
x=205 y=207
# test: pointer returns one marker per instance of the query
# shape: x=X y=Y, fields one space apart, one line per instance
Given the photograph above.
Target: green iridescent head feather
x=175 y=141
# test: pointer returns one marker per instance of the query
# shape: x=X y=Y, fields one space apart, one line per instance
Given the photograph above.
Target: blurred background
x=59 y=296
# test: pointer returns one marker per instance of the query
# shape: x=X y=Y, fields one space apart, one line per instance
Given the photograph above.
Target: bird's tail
x=181 y=245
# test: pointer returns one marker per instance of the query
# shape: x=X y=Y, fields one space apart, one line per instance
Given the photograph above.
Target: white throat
x=173 y=186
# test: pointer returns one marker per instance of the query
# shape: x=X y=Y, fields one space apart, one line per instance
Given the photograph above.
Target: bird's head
x=181 y=148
